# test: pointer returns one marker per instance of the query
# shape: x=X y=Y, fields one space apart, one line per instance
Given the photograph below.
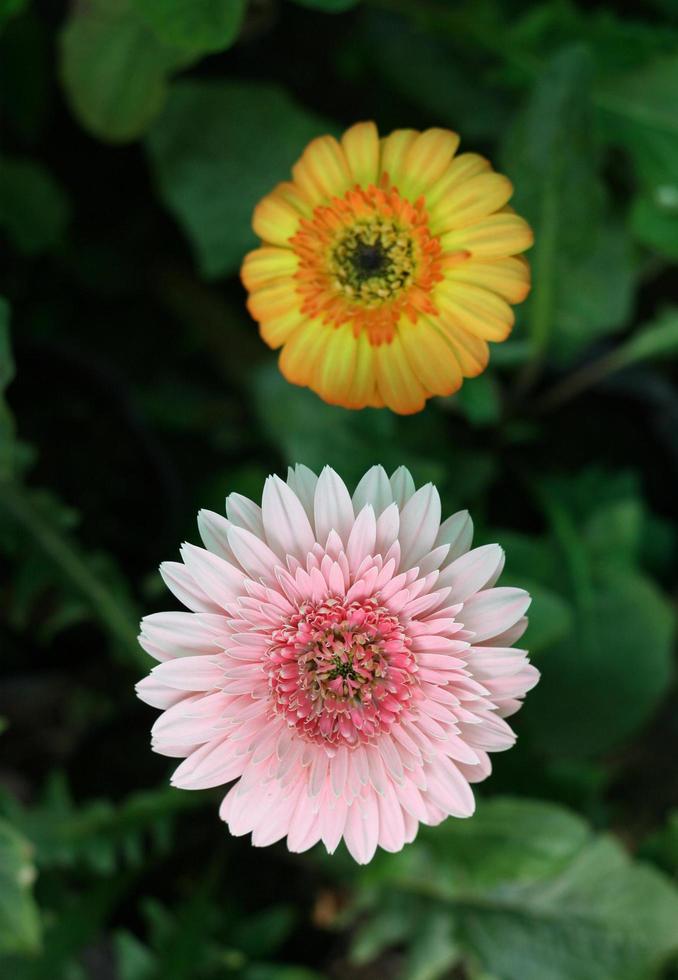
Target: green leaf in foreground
x=535 y=894
x=199 y=26
x=604 y=680
x=212 y=161
x=113 y=69
x=34 y=209
x=19 y=922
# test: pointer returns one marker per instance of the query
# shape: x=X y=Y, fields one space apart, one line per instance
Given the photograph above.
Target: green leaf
x=113 y=68
x=535 y=894
x=656 y=339
x=34 y=526
x=199 y=26
x=551 y=160
x=581 y=261
x=595 y=692
x=19 y=921
x=329 y=6
x=654 y=220
x=481 y=401
x=638 y=110
x=598 y=292
x=211 y=168
x=550 y=616
x=34 y=208
x=10 y=8
x=6 y=376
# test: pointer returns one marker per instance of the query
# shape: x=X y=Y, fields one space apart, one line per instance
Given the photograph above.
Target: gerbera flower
x=346 y=660
x=386 y=266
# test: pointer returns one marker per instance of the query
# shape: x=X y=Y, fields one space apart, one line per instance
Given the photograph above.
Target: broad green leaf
x=329 y=6
x=602 y=683
x=638 y=110
x=480 y=402
x=614 y=531
x=34 y=208
x=550 y=158
x=654 y=220
x=113 y=68
x=426 y=72
x=6 y=375
x=199 y=26
x=597 y=291
x=550 y=616
x=535 y=894
x=656 y=339
x=211 y=166
x=19 y=919
x=10 y=8
x=297 y=421
x=601 y=918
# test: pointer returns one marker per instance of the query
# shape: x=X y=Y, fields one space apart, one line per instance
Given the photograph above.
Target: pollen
x=367 y=259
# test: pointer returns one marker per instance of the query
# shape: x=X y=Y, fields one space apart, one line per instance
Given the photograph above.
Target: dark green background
x=137 y=137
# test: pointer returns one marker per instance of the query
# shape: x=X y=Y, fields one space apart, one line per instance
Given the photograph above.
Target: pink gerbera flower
x=347 y=661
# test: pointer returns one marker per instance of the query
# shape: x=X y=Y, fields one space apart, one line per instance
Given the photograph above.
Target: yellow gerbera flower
x=386 y=265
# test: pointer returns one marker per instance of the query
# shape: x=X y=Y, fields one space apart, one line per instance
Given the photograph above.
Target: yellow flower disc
x=386 y=266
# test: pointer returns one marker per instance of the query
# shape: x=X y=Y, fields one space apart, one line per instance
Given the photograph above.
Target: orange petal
x=396 y=381
x=322 y=172
x=471 y=352
x=299 y=355
x=276 y=217
x=426 y=160
x=264 y=265
x=463 y=167
x=335 y=370
x=496 y=236
x=473 y=199
x=509 y=277
x=274 y=300
x=394 y=151
x=276 y=330
x=431 y=358
x=361 y=149
x=476 y=309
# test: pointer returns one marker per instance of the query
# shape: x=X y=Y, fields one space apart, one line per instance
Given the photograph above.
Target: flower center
x=373 y=262
x=368 y=259
x=340 y=672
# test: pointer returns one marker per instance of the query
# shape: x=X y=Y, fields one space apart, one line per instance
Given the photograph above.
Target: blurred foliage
x=138 y=136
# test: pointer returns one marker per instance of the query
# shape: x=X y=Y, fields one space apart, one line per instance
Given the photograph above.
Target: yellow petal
x=496 y=236
x=274 y=300
x=276 y=217
x=322 y=172
x=276 y=330
x=396 y=381
x=471 y=352
x=335 y=370
x=393 y=153
x=361 y=149
x=426 y=160
x=509 y=277
x=299 y=355
x=475 y=309
x=463 y=167
x=264 y=265
x=365 y=381
x=473 y=199
x=431 y=357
